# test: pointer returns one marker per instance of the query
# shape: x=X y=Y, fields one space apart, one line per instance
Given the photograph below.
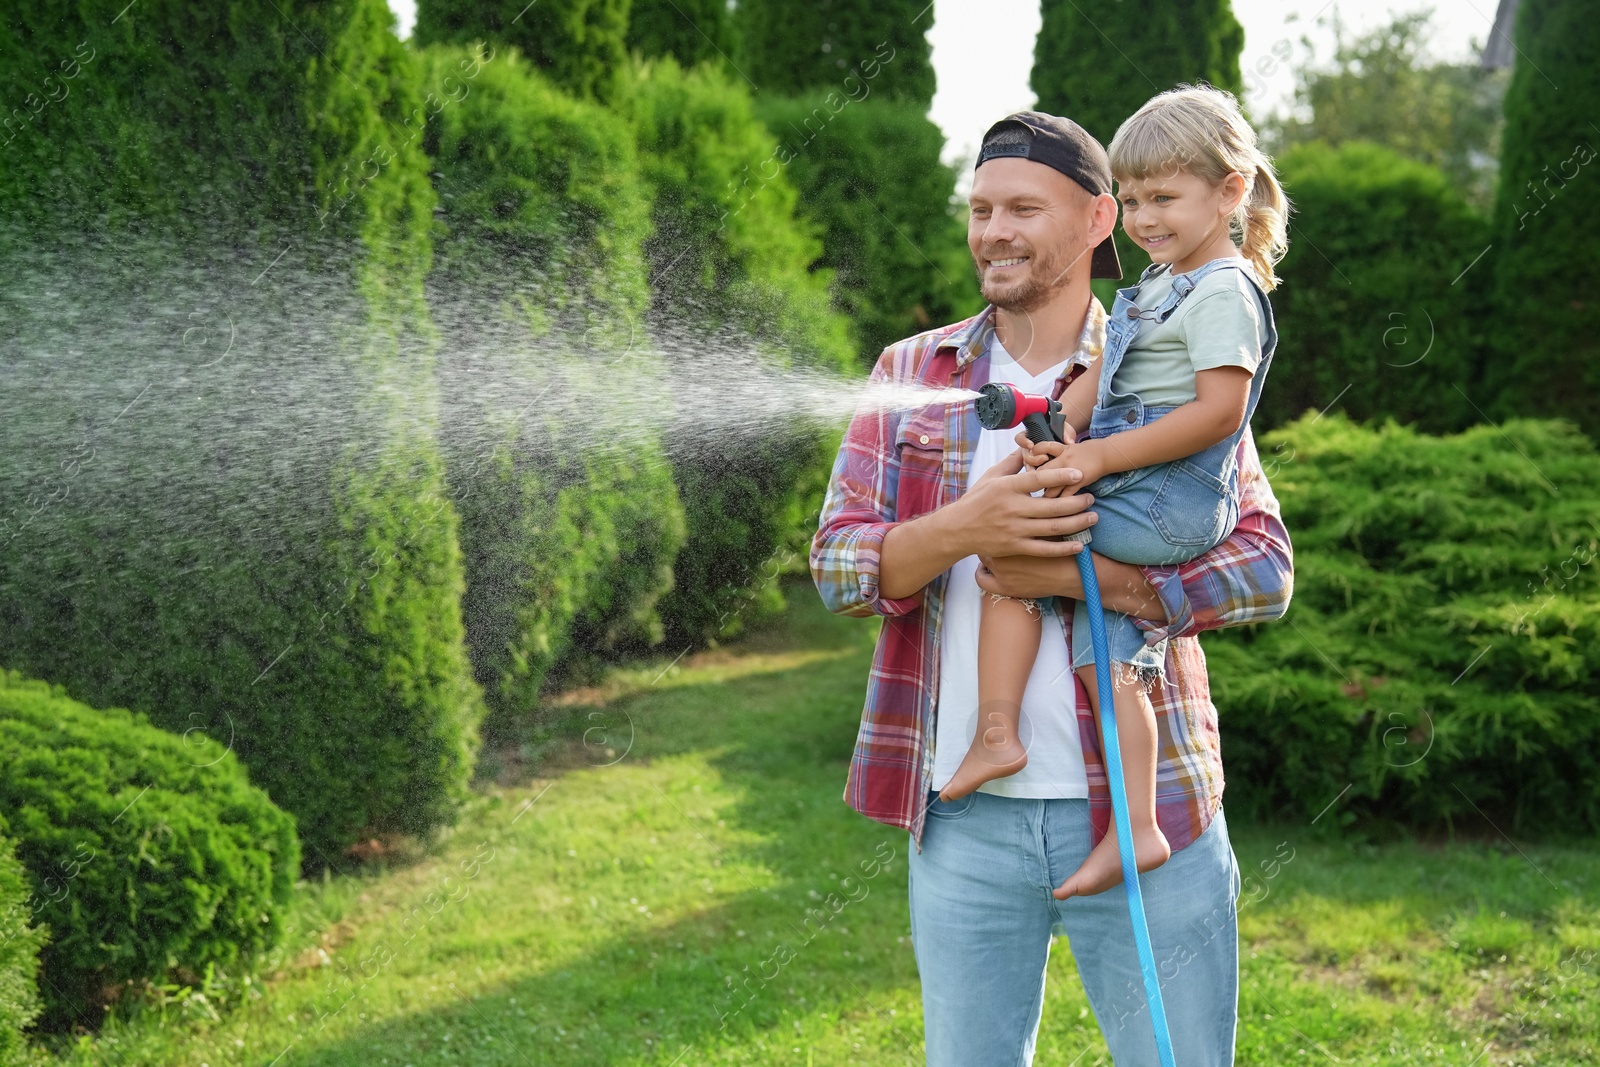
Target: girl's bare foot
x=995 y=753
x=1103 y=868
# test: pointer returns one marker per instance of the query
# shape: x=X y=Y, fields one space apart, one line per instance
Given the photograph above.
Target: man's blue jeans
x=982 y=917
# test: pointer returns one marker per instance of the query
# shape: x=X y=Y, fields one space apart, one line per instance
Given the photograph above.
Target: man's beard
x=1046 y=277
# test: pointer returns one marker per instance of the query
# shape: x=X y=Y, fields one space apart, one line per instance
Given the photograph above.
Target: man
x=923 y=509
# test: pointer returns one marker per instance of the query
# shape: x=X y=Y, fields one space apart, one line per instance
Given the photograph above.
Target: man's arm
x=1247 y=578
x=1123 y=586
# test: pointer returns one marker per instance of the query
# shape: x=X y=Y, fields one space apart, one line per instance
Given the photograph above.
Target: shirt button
x=923 y=439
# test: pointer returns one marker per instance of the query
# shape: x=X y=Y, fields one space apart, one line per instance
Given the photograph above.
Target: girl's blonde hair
x=1200 y=130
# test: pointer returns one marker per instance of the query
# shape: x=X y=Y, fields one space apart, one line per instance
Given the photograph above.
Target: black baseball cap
x=1062 y=145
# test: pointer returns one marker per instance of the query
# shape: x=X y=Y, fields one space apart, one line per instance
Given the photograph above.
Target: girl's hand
x=1087 y=457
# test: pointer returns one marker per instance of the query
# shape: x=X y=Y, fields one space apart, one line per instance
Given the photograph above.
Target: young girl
x=1155 y=425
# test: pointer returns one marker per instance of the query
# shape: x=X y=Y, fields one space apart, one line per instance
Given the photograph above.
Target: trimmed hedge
x=150 y=855
x=1368 y=315
x=20 y=940
x=568 y=540
x=730 y=261
x=578 y=44
x=1442 y=654
x=219 y=416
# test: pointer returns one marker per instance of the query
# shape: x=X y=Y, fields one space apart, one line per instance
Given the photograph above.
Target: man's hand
x=997 y=516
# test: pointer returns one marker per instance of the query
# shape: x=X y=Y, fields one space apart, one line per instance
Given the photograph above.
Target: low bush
x=149 y=855
x=1441 y=657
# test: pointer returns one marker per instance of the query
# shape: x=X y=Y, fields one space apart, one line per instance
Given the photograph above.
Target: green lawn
x=665 y=889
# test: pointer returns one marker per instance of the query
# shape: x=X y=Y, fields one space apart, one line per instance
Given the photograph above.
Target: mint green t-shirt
x=1217 y=325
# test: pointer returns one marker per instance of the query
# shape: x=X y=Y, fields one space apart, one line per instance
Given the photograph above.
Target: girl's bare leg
x=1008 y=642
x=1136 y=732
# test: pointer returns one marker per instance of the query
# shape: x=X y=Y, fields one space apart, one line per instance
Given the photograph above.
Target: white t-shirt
x=1049 y=714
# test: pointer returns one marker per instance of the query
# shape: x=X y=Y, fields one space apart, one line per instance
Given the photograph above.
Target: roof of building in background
x=1498 y=50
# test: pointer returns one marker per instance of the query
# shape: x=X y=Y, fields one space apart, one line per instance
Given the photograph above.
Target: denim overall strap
x=1123 y=326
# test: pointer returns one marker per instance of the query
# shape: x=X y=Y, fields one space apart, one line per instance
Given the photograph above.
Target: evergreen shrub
x=794 y=47
x=568 y=538
x=223 y=501
x=1547 y=336
x=20 y=939
x=580 y=45
x=868 y=171
x=1441 y=656
x=1374 y=315
x=732 y=280
x=149 y=855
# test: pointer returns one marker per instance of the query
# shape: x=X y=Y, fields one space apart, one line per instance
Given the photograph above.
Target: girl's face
x=1179 y=217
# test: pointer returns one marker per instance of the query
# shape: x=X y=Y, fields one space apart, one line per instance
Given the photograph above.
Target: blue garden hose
x=1002 y=406
x=1119 y=806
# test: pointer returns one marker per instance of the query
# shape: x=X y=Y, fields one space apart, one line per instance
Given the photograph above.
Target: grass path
x=680 y=884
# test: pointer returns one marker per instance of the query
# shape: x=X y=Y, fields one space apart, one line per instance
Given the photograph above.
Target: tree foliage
x=1383 y=86
x=1096 y=64
x=20 y=940
x=1374 y=315
x=544 y=216
x=1442 y=654
x=1547 y=330
x=230 y=514
x=869 y=173
x=731 y=264
x=794 y=47
x=690 y=31
x=580 y=45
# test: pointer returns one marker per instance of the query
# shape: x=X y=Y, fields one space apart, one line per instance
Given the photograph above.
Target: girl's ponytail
x=1263 y=222
x=1201 y=130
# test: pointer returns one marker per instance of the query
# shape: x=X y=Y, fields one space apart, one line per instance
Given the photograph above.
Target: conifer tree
x=690 y=31
x=1097 y=64
x=578 y=44
x=1546 y=221
x=792 y=46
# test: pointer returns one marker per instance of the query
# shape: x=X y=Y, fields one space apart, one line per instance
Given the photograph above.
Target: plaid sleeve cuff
x=1168 y=585
x=869 y=562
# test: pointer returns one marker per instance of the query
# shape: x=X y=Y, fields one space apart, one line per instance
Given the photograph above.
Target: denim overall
x=1169 y=512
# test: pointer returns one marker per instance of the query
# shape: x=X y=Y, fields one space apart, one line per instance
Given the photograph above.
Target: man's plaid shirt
x=896 y=465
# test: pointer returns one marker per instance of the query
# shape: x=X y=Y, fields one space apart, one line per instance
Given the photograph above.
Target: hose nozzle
x=1002 y=406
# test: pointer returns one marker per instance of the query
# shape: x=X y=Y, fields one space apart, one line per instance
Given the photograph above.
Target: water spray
x=1001 y=407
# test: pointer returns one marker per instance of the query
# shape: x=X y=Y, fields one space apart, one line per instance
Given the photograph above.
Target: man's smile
x=1014 y=261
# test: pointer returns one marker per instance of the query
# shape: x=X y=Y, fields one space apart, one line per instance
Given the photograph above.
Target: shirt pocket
x=919 y=447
